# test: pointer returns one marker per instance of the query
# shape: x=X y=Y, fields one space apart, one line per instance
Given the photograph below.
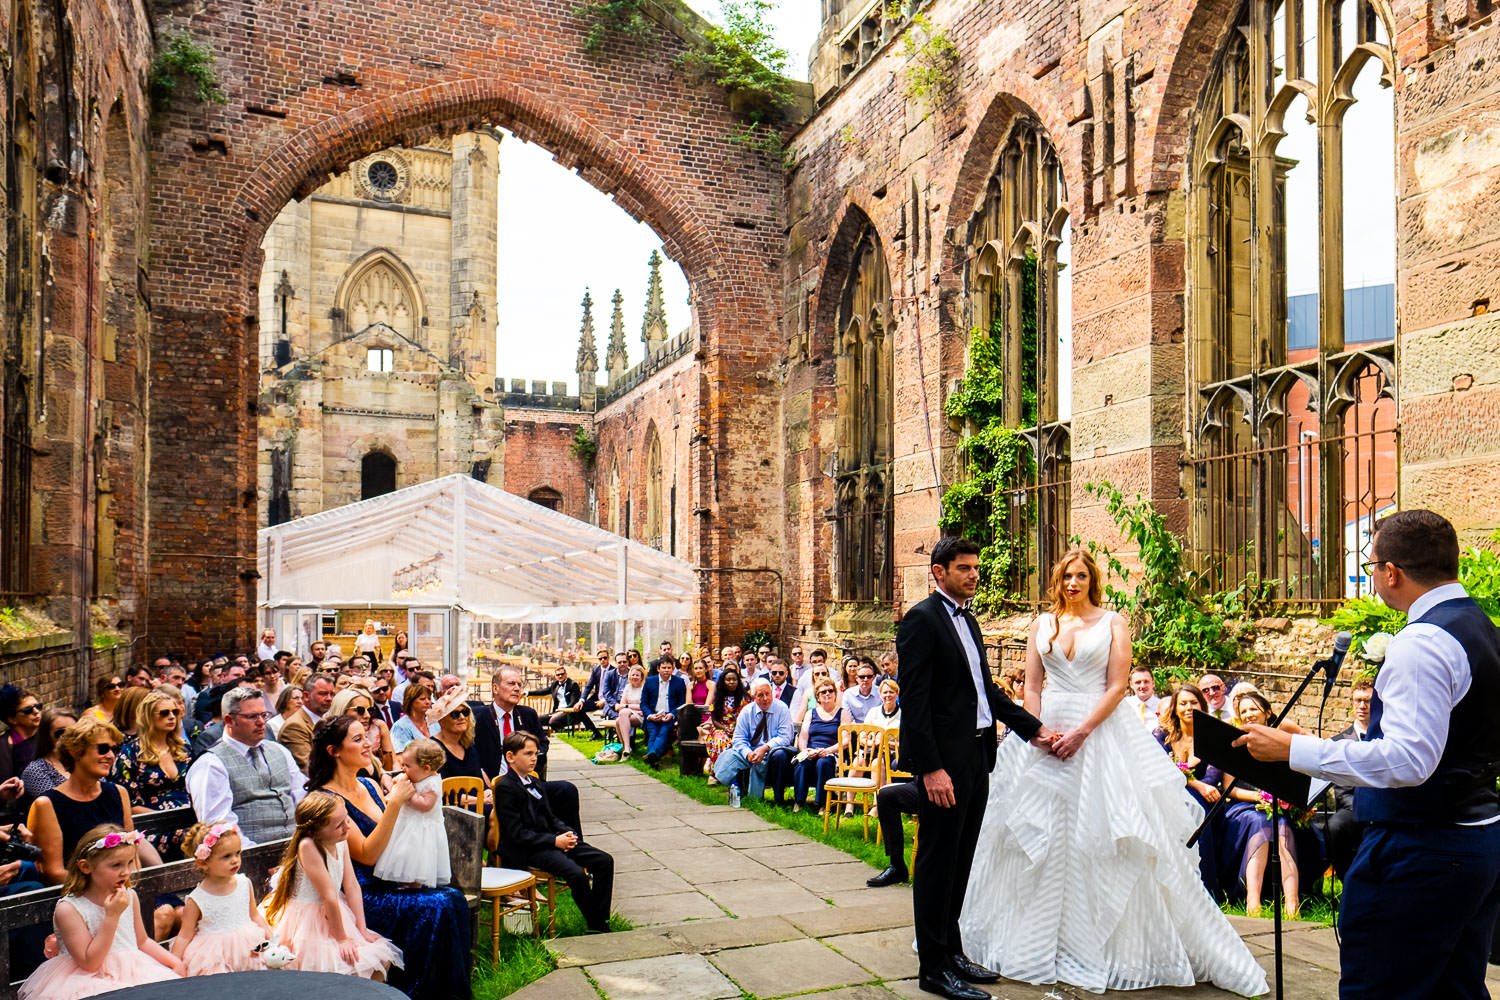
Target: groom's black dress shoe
x=947 y=984
x=891 y=876
x=972 y=973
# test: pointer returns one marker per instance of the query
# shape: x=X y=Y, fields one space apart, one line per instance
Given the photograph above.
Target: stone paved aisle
x=727 y=905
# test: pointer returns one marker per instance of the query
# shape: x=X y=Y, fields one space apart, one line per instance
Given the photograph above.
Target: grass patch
x=846 y=838
x=525 y=959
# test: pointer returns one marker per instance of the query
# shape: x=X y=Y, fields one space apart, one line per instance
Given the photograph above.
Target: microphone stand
x=1273 y=864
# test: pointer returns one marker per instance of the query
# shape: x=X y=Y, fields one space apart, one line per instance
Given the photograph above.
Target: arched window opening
x=614 y=499
x=546 y=496
x=1019 y=247
x=653 y=492
x=1293 y=299
x=862 y=480
x=377 y=475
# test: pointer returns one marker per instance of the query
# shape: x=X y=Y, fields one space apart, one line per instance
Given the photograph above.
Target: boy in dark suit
x=531 y=836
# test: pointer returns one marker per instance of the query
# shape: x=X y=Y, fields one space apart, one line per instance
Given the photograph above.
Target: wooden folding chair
x=860 y=751
x=544 y=885
x=892 y=753
x=495 y=883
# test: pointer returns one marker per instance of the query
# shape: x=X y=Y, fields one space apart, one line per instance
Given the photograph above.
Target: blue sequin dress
x=430 y=926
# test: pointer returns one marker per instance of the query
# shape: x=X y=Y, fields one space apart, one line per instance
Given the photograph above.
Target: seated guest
x=22 y=713
x=387 y=709
x=888 y=664
x=430 y=926
x=782 y=688
x=760 y=749
x=717 y=730
x=47 y=770
x=752 y=668
x=1204 y=783
x=1246 y=824
x=613 y=685
x=246 y=779
x=700 y=684
x=1342 y=832
x=288 y=704
x=897 y=797
x=1213 y=688
x=662 y=698
x=532 y=836
x=296 y=732
x=848 y=680
x=803 y=701
x=818 y=747
x=567 y=703
x=1242 y=688
x=152 y=765
x=84 y=800
x=629 y=713
x=862 y=699
x=456 y=737
x=107 y=691
x=356 y=701
x=414 y=722
x=1142 y=699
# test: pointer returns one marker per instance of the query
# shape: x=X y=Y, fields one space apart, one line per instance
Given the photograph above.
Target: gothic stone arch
x=223 y=172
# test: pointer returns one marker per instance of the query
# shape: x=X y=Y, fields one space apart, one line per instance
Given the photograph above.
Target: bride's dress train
x=1080 y=875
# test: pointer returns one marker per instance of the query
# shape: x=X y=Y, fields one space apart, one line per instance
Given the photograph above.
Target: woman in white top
x=630 y=707
x=288 y=704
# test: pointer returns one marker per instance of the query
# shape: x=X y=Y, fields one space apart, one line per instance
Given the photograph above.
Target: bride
x=1080 y=874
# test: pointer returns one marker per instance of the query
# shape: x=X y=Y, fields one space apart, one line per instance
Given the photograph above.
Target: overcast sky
x=559 y=235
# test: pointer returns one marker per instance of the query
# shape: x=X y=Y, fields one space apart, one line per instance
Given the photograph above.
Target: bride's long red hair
x=1055 y=595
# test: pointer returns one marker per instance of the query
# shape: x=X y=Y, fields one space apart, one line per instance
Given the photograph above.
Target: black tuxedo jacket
x=527 y=824
x=487 y=733
x=938 y=700
x=564 y=693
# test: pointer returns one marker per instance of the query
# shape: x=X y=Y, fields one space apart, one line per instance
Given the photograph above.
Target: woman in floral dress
x=718 y=729
x=152 y=765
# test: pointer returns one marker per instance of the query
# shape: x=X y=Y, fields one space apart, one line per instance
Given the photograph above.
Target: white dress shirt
x=208 y=784
x=1145 y=709
x=1425 y=675
x=264 y=652
x=960 y=624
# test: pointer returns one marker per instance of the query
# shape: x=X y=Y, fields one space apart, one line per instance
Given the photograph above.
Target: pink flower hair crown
x=211 y=838
x=112 y=840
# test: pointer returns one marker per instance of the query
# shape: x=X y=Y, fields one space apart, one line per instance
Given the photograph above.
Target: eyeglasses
x=57 y=733
x=113 y=686
x=252 y=716
x=1371 y=566
x=1211 y=688
x=105 y=749
x=383 y=689
x=360 y=710
x=462 y=713
x=865 y=677
x=30 y=710
x=778 y=673
x=168 y=713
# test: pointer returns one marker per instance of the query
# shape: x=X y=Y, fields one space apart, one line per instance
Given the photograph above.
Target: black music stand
x=1213 y=742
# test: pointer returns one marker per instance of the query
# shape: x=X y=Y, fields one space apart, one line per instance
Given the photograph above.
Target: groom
x=949 y=706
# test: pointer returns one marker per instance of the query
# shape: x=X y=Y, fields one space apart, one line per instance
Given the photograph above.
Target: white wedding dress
x=1081 y=875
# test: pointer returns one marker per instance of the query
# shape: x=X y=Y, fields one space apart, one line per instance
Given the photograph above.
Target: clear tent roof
x=458 y=542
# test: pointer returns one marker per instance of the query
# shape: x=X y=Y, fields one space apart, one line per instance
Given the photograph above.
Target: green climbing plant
x=605 y=20
x=931 y=76
x=1181 y=627
x=583 y=446
x=180 y=60
x=742 y=57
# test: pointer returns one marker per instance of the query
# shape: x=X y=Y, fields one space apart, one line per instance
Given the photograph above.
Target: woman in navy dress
x=818 y=746
x=430 y=926
x=1219 y=873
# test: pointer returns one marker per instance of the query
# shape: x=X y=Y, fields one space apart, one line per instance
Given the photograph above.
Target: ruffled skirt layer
x=304 y=929
x=1081 y=874
x=60 y=978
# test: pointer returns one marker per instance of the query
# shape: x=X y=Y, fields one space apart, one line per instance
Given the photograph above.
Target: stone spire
x=615 y=360
x=654 y=326
x=588 y=356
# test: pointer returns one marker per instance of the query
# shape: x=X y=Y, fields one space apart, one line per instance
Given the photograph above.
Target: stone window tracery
x=862 y=478
x=379 y=290
x=653 y=491
x=1292 y=298
x=1019 y=293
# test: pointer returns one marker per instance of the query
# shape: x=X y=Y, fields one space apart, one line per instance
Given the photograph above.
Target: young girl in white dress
x=102 y=943
x=222 y=931
x=417 y=853
x=317 y=906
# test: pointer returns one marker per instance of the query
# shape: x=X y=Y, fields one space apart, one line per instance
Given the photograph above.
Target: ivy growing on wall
x=180 y=60
x=996 y=459
x=583 y=446
x=609 y=19
x=932 y=71
x=744 y=59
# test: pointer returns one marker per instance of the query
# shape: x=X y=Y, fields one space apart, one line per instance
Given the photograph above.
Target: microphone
x=1337 y=660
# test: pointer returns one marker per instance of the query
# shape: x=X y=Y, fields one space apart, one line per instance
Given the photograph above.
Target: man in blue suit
x=665 y=693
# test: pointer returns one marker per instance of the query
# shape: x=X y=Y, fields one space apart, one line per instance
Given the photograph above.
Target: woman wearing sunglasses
x=62 y=815
x=152 y=766
x=358 y=703
x=107 y=691
x=22 y=713
x=47 y=771
x=456 y=736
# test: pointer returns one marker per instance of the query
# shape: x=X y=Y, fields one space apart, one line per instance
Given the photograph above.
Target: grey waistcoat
x=264 y=807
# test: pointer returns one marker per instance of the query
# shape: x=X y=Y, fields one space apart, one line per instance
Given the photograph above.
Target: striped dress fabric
x=1081 y=875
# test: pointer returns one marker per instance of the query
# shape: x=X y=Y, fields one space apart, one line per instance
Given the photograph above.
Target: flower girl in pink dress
x=102 y=943
x=317 y=906
x=222 y=931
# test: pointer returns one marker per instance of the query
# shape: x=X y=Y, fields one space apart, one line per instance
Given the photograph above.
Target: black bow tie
x=957 y=609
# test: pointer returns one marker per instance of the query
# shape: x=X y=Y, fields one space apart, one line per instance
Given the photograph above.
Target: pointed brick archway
x=309 y=92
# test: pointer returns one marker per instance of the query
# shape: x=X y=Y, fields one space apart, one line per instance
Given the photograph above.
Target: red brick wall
x=539 y=452
x=312 y=88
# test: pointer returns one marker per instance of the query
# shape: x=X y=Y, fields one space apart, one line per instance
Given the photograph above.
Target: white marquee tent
x=461 y=545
